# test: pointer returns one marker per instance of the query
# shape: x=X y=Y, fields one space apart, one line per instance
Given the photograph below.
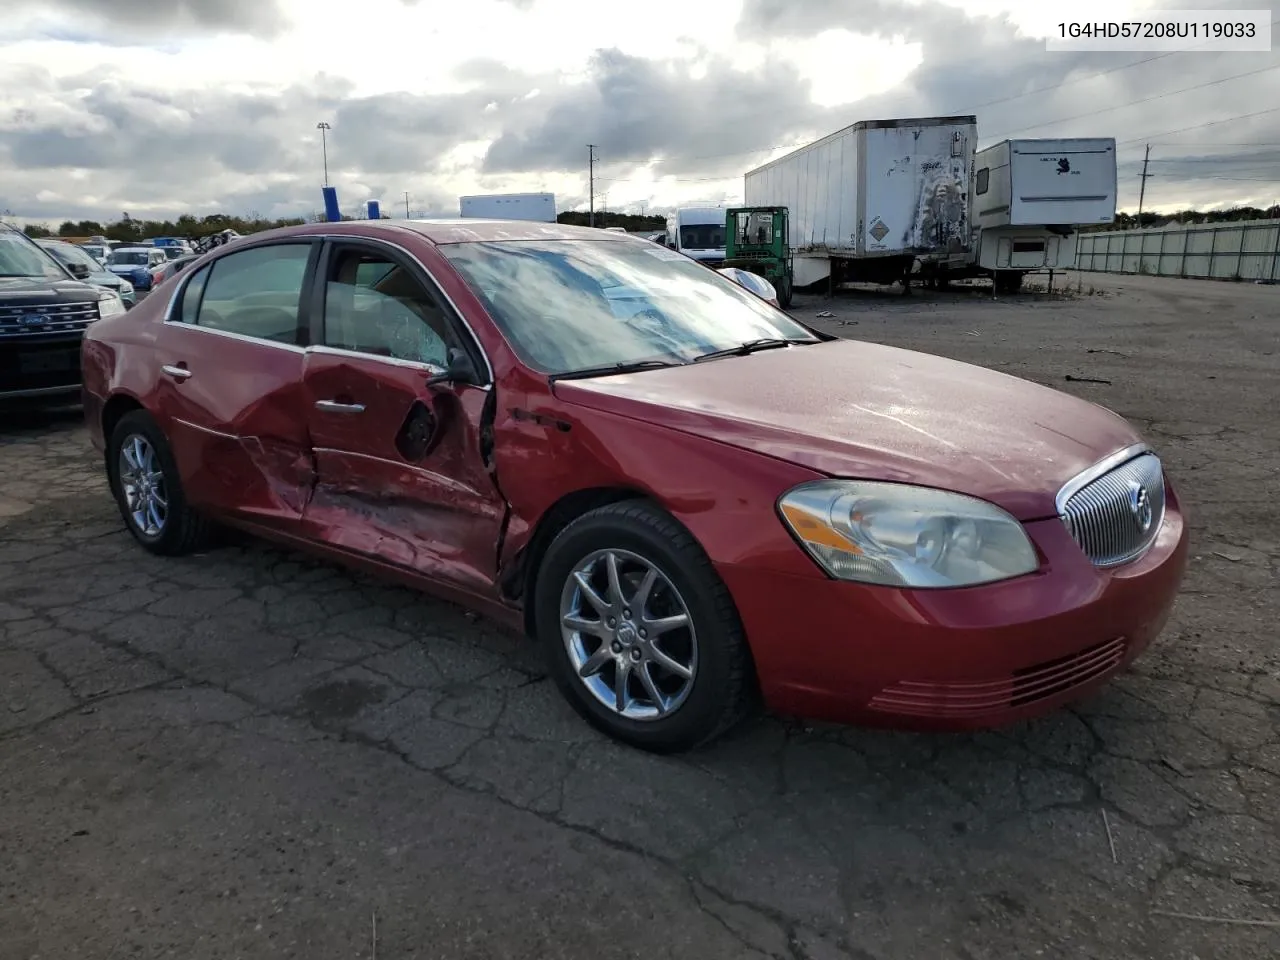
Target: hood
x=861 y=410
x=22 y=289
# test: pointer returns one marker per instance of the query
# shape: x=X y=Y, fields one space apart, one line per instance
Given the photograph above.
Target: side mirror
x=78 y=270
x=459 y=371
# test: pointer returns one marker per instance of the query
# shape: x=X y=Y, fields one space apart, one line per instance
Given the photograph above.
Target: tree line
x=627 y=221
x=127 y=228
x=1132 y=221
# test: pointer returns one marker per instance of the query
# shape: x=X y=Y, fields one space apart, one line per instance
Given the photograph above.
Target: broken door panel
x=400 y=475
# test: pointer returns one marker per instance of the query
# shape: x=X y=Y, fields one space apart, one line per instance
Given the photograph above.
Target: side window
x=191 y=296
x=255 y=292
x=984 y=177
x=374 y=305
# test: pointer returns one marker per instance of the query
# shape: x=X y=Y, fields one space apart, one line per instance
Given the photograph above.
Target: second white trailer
x=510 y=206
x=1030 y=196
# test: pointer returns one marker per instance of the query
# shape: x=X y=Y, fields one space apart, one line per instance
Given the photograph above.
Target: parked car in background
x=44 y=312
x=99 y=251
x=166 y=270
x=69 y=254
x=688 y=500
x=757 y=284
x=173 y=247
x=136 y=263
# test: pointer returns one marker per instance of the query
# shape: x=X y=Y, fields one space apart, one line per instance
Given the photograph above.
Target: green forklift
x=757 y=240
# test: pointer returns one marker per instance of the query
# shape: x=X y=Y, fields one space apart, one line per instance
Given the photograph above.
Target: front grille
x=1115 y=517
x=975 y=699
x=46 y=319
x=32 y=363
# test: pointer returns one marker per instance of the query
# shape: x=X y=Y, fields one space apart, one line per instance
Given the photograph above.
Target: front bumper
x=957 y=659
x=32 y=366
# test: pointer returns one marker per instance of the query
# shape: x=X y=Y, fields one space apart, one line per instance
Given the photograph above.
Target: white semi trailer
x=510 y=206
x=870 y=200
x=1030 y=196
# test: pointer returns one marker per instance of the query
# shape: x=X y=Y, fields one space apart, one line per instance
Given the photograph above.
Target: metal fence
x=1246 y=250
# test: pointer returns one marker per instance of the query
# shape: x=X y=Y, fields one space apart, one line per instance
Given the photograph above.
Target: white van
x=698 y=232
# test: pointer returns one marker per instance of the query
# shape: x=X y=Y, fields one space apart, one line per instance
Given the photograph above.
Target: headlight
x=110 y=304
x=897 y=535
x=125 y=287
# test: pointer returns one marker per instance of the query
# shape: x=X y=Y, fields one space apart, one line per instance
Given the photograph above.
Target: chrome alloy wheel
x=629 y=635
x=143 y=486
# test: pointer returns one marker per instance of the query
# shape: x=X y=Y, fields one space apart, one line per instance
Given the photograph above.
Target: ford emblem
x=32 y=320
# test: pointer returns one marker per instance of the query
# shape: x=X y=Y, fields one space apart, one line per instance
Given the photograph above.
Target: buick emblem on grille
x=1140 y=506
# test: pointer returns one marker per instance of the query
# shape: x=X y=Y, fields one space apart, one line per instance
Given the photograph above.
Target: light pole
x=324 y=145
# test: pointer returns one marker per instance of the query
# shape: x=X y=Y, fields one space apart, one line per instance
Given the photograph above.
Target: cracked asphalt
x=248 y=753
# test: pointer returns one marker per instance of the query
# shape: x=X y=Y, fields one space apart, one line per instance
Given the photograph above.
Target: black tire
x=183 y=530
x=784 y=292
x=723 y=684
x=1008 y=281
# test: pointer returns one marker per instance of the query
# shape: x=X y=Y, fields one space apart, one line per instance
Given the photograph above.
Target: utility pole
x=1142 y=191
x=324 y=128
x=591 y=183
x=406 y=204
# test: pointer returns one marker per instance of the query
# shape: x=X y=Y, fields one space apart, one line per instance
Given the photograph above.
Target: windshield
x=130 y=258
x=569 y=305
x=19 y=257
x=702 y=236
x=68 y=254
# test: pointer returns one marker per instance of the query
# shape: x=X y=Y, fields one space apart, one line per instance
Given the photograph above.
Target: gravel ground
x=251 y=754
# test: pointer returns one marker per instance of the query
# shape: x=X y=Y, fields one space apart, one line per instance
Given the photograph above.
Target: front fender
x=725 y=496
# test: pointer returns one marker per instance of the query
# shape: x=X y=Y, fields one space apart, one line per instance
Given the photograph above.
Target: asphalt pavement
x=249 y=753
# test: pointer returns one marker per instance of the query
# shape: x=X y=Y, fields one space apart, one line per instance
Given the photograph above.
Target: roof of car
x=135 y=249
x=457 y=230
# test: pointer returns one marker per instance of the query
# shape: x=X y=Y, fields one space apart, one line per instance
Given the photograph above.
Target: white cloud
x=212 y=104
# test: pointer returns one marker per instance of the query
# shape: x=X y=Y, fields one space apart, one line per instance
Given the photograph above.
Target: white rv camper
x=1029 y=196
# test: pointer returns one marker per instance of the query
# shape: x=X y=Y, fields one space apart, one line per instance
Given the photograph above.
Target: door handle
x=178 y=373
x=332 y=406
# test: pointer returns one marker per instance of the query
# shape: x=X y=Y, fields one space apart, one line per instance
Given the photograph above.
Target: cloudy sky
x=159 y=107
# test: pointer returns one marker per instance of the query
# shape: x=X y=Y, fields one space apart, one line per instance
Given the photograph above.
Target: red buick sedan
x=686 y=496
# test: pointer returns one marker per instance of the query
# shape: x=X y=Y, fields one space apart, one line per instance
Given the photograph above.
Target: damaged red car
x=694 y=502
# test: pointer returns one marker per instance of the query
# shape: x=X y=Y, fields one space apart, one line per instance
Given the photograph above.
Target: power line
x=990 y=103
x=1199 y=126
x=1217 y=143
x=1134 y=103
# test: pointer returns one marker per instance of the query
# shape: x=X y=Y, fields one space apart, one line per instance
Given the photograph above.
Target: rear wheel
x=144 y=479
x=641 y=635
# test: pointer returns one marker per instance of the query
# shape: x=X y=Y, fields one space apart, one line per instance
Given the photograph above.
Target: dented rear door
x=229 y=383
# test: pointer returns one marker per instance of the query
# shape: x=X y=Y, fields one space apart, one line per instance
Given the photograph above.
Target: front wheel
x=641 y=635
